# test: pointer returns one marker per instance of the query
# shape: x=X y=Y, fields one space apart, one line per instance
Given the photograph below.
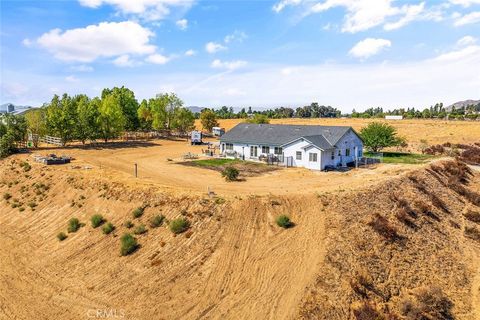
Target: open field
x=433 y=131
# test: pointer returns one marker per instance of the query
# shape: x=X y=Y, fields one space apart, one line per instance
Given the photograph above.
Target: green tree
x=158 y=112
x=377 y=136
x=128 y=104
x=12 y=129
x=173 y=103
x=36 y=124
x=111 y=120
x=183 y=121
x=61 y=118
x=208 y=119
x=145 y=115
x=88 y=111
x=258 y=119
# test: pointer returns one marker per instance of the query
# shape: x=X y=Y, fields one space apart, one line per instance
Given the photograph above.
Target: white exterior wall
x=290 y=150
x=324 y=157
x=349 y=141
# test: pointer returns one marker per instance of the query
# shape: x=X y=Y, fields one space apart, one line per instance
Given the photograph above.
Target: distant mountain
x=461 y=104
x=195 y=109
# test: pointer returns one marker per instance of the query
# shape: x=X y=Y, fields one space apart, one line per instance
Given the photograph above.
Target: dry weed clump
x=427 y=303
x=367 y=310
x=403 y=216
x=472 y=233
x=473 y=216
x=383 y=227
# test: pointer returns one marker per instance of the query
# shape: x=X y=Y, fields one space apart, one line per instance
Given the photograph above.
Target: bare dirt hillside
x=374 y=249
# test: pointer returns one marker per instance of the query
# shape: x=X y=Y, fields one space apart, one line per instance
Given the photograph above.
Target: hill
x=463 y=104
x=408 y=245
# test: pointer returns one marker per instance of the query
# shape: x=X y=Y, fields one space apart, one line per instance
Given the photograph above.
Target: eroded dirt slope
x=234 y=262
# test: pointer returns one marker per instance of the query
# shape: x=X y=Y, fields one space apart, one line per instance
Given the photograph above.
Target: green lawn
x=400 y=157
x=215 y=162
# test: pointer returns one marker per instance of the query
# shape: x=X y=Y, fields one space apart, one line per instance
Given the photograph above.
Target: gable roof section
x=324 y=137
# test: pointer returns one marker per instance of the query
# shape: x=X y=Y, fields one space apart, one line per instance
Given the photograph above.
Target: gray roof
x=324 y=137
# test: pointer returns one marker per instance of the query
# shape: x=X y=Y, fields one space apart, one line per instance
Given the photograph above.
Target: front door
x=253 y=151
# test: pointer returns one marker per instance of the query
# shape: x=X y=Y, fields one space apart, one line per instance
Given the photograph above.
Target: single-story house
x=312 y=147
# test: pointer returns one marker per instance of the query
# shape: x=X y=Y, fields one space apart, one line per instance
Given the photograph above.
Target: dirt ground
x=415 y=130
x=159 y=164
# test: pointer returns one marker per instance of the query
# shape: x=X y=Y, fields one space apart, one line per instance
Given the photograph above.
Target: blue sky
x=344 y=53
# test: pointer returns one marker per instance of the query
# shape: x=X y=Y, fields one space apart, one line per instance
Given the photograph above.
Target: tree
x=36 y=124
x=173 y=103
x=12 y=129
x=183 y=121
x=61 y=118
x=158 y=112
x=258 y=119
x=88 y=111
x=145 y=115
x=128 y=104
x=377 y=136
x=111 y=120
x=208 y=118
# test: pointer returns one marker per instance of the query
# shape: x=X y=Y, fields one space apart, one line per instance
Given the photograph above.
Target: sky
x=344 y=53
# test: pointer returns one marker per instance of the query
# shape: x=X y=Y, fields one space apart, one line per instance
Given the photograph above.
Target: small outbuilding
x=217 y=131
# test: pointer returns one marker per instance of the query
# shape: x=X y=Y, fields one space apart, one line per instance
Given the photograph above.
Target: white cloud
x=285 y=3
x=229 y=65
x=469 y=18
x=466 y=41
x=369 y=47
x=124 y=61
x=71 y=78
x=235 y=36
x=412 y=13
x=213 y=47
x=190 y=53
x=107 y=39
x=460 y=55
x=27 y=42
x=147 y=9
x=81 y=68
x=365 y=14
x=157 y=59
x=465 y=3
x=182 y=24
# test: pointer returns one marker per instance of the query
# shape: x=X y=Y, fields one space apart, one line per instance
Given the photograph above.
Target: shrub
x=473 y=216
x=367 y=311
x=21 y=209
x=128 y=224
x=284 y=221
x=73 y=225
x=108 y=228
x=230 y=174
x=140 y=229
x=61 y=236
x=428 y=303
x=157 y=221
x=32 y=204
x=179 y=225
x=26 y=166
x=472 y=233
x=138 y=212
x=128 y=244
x=381 y=225
x=7 y=196
x=403 y=216
x=97 y=220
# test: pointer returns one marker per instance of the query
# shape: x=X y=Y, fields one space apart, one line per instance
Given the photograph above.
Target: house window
x=347 y=152
x=278 y=150
x=333 y=155
x=339 y=152
x=228 y=146
x=253 y=151
x=312 y=157
x=298 y=155
x=265 y=149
